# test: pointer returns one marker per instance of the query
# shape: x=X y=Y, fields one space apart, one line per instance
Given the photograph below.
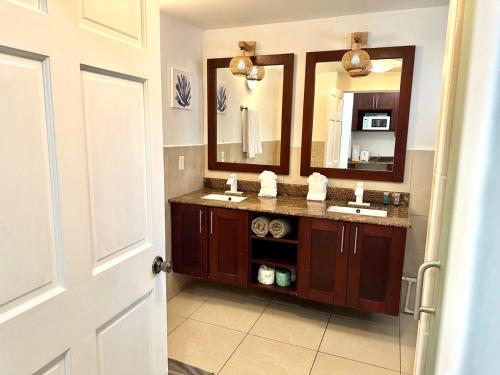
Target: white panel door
x=81 y=192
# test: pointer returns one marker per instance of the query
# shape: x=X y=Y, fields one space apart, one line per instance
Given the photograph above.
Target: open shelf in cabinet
x=274 y=253
x=292 y=289
x=254 y=270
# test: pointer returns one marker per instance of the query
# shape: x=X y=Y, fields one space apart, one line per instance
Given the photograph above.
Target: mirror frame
x=287 y=60
x=407 y=53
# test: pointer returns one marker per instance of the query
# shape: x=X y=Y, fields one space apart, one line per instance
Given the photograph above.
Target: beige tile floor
x=228 y=330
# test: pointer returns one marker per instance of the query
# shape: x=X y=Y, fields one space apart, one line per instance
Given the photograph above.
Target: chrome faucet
x=232 y=181
x=358 y=192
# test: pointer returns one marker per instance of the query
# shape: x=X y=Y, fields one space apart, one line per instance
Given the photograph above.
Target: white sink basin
x=357 y=211
x=224 y=198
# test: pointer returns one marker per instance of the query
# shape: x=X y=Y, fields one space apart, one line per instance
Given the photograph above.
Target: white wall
x=265 y=97
x=424 y=27
x=181 y=47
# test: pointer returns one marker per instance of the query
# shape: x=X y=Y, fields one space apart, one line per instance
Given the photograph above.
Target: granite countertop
x=397 y=216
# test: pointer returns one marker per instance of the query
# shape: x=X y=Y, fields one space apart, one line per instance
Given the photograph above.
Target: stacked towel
x=268 y=184
x=279 y=228
x=317 y=187
x=260 y=226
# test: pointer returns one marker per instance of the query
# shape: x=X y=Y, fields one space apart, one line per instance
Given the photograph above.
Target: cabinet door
x=323 y=257
x=375 y=268
x=395 y=111
x=365 y=100
x=384 y=100
x=228 y=249
x=189 y=239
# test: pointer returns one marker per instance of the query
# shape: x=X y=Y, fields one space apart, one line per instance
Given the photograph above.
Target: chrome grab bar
x=420 y=284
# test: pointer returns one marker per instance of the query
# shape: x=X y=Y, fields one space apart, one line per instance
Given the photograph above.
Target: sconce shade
x=357 y=63
x=240 y=65
x=256 y=73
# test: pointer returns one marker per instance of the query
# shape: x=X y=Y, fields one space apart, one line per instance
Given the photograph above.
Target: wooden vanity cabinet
x=228 y=246
x=339 y=263
x=351 y=264
x=189 y=239
x=375 y=267
x=323 y=259
x=210 y=243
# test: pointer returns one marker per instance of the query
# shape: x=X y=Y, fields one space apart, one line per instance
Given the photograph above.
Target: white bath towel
x=268 y=184
x=260 y=226
x=251 y=142
x=279 y=228
x=317 y=187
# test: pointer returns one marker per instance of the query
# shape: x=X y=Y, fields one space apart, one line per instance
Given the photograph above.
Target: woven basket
x=256 y=73
x=241 y=65
x=357 y=63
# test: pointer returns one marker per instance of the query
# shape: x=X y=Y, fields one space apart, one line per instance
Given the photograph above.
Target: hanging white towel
x=244 y=131
x=251 y=143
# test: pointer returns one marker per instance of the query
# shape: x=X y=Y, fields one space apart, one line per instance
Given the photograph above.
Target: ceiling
x=213 y=14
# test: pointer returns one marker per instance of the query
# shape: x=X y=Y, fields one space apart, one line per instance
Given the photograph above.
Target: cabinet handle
x=373 y=102
x=201 y=218
x=376 y=102
x=356 y=240
x=342 y=243
x=211 y=222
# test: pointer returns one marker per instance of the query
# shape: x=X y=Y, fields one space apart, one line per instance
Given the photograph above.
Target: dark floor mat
x=179 y=368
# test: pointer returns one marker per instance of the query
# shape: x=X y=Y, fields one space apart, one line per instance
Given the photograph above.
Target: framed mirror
x=249 y=122
x=356 y=127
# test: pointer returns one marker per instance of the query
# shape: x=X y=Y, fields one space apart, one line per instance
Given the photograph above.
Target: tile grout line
x=281 y=342
x=203 y=302
x=180 y=291
x=186 y=317
x=386 y=326
x=246 y=335
x=184 y=321
x=322 y=337
x=355 y=360
x=216 y=325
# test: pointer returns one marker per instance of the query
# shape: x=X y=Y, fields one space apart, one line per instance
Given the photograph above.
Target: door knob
x=161 y=265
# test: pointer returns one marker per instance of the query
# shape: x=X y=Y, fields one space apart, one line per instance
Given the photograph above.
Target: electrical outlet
x=222 y=156
x=181 y=162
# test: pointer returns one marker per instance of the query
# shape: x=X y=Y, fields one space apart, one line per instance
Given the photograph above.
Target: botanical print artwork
x=180 y=92
x=221 y=98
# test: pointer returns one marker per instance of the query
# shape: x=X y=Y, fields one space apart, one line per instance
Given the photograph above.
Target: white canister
x=364 y=156
x=356 y=149
x=266 y=275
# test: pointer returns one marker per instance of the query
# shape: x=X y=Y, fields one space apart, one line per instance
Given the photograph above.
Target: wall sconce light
x=357 y=61
x=256 y=73
x=241 y=65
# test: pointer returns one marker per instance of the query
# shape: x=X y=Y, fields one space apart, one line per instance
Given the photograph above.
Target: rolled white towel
x=260 y=226
x=279 y=228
